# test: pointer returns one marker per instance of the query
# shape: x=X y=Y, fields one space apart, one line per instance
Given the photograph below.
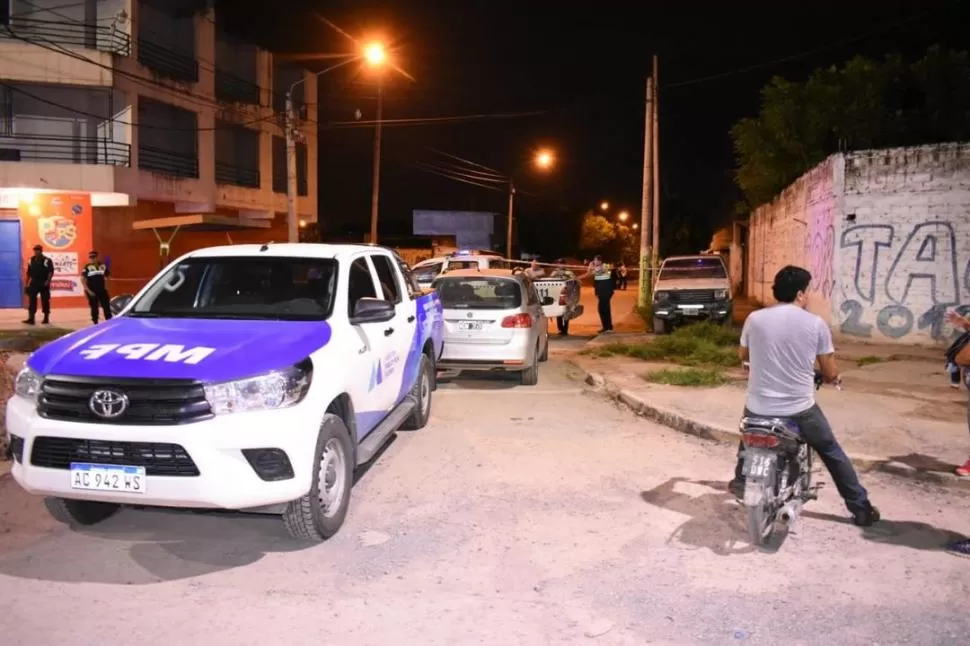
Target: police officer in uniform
x=95 y=286
x=40 y=270
x=603 y=285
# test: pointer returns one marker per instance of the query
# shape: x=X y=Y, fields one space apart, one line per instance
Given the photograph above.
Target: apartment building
x=137 y=127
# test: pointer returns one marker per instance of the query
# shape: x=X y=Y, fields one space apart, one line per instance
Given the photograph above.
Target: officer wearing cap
x=40 y=271
x=95 y=274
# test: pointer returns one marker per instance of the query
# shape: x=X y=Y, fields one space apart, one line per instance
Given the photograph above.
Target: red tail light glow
x=518 y=321
x=760 y=440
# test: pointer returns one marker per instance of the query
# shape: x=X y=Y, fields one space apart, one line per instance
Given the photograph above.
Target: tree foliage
x=595 y=232
x=863 y=104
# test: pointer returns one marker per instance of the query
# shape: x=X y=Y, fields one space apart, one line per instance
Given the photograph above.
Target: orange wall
x=135 y=255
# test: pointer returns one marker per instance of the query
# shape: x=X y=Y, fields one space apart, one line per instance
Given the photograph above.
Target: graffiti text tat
x=900 y=282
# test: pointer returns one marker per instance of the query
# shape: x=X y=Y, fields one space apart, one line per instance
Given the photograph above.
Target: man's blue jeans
x=817 y=432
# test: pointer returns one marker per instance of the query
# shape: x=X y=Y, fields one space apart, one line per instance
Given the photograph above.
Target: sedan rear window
x=485 y=293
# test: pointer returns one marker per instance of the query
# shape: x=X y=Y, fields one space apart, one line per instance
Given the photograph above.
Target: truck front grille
x=693 y=296
x=151 y=402
x=159 y=459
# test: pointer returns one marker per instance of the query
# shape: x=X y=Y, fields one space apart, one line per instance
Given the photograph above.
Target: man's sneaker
x=963 y=470
x=46 y=321
x=959 y=548
x=29 y=322
x=867 y=518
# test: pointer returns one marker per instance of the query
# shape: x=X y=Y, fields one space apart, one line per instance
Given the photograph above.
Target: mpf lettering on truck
x=150 y=352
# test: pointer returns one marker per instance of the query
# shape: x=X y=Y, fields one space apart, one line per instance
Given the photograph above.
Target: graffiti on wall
x=901 y=280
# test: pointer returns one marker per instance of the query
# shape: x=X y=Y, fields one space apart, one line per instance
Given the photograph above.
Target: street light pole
x=376 y=187
x=646 y=203
x=508 y=233
x=292 y=225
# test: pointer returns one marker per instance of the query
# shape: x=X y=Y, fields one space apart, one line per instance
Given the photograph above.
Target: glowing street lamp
x=623 y=216
x=375 y=54
x=604 y=206
x=545 y=159
x=635 y=226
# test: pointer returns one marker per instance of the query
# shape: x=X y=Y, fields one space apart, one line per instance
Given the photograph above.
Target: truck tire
x=530 y=376
x=545 y=351
x=320 y=513
x=660 y=326
x=421 y=393
x=80 y=512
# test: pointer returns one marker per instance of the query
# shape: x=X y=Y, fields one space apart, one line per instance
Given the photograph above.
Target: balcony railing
x=73 y=34
x=66 y=150
x=166 y=162
x=232 y=89
x=237 y=175
x=164 y=62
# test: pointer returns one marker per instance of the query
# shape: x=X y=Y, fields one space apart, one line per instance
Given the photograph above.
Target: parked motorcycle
x=778 y=473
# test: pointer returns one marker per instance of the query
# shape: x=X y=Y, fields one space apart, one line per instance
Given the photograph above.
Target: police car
x=555 y=286
x=244 y=377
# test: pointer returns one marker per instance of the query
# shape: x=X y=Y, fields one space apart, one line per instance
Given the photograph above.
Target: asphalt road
x=527 y=516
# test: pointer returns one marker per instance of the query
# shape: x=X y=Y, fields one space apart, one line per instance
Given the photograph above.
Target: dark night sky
x=585 y=68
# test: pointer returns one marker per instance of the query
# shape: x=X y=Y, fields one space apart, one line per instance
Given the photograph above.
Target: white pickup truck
x=551 y=286
x=247 y=377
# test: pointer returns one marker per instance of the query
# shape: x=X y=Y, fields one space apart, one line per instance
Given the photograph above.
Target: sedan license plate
x=691 y=310
x=107 y=477
x=470 y=326
x=755 y=464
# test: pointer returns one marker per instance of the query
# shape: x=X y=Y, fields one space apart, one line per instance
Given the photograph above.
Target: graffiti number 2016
x=896 y=321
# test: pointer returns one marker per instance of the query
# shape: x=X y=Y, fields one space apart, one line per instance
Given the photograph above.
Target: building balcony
x=169 y=163
x=232 y=89
x=65 y=150
x=50 y=34
x=233 y=175
x=167 y=63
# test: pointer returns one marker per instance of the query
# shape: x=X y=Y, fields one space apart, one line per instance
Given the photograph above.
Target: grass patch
x=868 y=361
x=700 y=344
x=29 y=340
x=691 y=377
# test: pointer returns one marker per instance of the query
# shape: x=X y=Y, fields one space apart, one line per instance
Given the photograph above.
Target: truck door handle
x=411 y=319
x=389 y=331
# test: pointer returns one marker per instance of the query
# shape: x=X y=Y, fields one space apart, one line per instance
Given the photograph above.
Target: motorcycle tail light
x=760 y=440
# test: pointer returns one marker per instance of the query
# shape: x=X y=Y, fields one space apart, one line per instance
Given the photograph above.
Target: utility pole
x=646 y=202
x=508 y=233
x=292 y=224
x=376 y=188
x=655 y=258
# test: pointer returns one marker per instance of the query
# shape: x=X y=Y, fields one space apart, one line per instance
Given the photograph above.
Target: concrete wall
x=798 y=228
x=886 y=235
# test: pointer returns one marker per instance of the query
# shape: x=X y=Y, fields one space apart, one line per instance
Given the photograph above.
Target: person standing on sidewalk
x=782 y=344
x=962 y=360
x=40 y=271
x=603 y=286
x=96 y=287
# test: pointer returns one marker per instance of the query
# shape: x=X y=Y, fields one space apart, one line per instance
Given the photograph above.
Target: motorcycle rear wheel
x=761 y=515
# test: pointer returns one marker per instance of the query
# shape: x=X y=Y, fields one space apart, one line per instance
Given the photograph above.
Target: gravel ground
x=541 y=515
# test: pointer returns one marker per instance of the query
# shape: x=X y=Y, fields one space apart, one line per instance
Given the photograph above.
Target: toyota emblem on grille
x=108 y=404
x=470 y=314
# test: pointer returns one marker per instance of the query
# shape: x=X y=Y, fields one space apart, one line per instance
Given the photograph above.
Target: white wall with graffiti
x=886 y=235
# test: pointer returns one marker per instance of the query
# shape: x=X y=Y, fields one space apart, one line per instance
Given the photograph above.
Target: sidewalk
x=897 y=413
x=71 y=318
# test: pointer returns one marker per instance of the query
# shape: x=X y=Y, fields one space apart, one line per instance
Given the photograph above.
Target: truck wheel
x=530 y=376
x=545 y=351
x=421 y=393
x=80 y=512
x=660 y=326
x=319 y=514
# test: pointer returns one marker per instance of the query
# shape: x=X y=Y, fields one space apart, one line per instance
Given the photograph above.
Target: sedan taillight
x=517 y=321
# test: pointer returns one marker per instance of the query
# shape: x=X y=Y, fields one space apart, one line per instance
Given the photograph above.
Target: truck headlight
x=721 y=295
x=273 y=390
x=27 y=384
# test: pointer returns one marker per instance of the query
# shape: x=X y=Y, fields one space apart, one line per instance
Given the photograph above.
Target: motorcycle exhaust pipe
x=790 y=512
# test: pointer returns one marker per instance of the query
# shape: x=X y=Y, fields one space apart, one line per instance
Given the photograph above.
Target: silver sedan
x=493 y=321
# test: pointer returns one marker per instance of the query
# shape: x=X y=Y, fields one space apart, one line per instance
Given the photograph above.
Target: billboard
x=61 y=223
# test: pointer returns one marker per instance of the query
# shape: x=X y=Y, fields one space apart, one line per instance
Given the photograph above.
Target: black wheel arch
x=343 y=407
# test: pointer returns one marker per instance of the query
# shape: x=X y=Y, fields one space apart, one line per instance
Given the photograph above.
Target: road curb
x=723 y=435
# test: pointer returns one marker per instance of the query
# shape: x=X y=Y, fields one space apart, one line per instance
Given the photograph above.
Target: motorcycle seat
x=769 y=423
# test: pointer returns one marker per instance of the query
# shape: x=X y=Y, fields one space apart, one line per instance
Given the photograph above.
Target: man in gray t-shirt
x=782 y=344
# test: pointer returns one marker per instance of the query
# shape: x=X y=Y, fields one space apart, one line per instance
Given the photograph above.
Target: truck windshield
x=485 y=293
x=258 y=288
x=677 y=268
